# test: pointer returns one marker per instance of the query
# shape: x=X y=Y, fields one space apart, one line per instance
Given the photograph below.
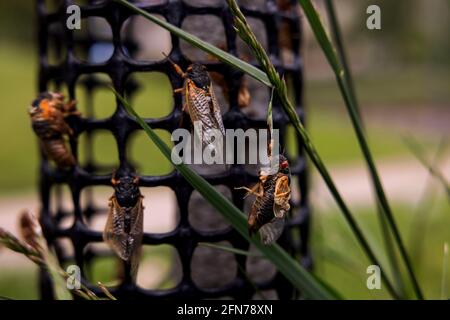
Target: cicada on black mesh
x=200 y=102
x=271 y=205
x=124 y=226
x=48 y=114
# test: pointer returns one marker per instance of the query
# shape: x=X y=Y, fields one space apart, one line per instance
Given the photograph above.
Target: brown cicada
x=271 y=204
x=124 y=226
x=200 y=102
x=48 y=117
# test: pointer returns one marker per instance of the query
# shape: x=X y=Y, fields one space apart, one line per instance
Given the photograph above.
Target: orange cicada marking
x=45 y=106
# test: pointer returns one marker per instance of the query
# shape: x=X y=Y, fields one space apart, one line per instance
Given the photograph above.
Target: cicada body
x=124 y=226
x=271 y=204
x=201 y=103
x=48 y=117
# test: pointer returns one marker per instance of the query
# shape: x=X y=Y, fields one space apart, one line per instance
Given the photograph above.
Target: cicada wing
x=114 y=234
x=137 y=220
x=198 y=107
x=124 y=244
x=215 y=111
x=135 y=259
x=203 y=108
x=137 y=233
x=281 y=197
x=270 y=232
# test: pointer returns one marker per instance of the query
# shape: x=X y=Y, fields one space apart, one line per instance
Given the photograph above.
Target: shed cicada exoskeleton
x=201 y=103
x=48 y=114
x=124 y=226
x=271 y=205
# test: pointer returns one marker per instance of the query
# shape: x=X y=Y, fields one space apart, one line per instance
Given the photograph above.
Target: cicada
x=271 y=205
x=48 y=118
x=124 y=226
x=200 y=102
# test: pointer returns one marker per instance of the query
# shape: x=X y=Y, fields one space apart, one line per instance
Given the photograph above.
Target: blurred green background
x=402 y=79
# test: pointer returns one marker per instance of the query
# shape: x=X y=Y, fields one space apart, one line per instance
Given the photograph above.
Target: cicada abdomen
x=124 y=226
x=201 y=104
x=271 y=205
x=48 y=118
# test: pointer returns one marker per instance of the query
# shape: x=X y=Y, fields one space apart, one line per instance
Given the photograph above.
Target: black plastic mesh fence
x=118 y=51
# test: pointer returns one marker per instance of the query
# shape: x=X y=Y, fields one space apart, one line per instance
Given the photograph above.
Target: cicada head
x=126 y=191
x=280 y=166
x=283 y=164
x=198 y=74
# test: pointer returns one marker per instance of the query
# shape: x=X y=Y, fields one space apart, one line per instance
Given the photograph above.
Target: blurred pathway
x=156 y=201
x=404 y=181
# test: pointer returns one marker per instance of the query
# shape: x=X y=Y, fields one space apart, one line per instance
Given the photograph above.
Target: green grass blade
x=426 y=202
x=279 y=84
x=444 y=291
x=330 y=53
x=335 y=29
x=205 y=46
x=230 y=249
x=417 y=151
x=269 y=113
x=106 y=291
x=292 y=270
x=387 y=237
x=59 y=282
x=291 y=113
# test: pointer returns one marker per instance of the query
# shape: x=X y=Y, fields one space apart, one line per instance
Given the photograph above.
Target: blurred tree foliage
x=17 y=21
x=412 y=30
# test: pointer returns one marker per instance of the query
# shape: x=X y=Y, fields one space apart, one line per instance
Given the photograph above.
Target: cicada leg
x=70 y=109
x=283 y=194
x=176 y=67
x=64 y=128
x=257 y=190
